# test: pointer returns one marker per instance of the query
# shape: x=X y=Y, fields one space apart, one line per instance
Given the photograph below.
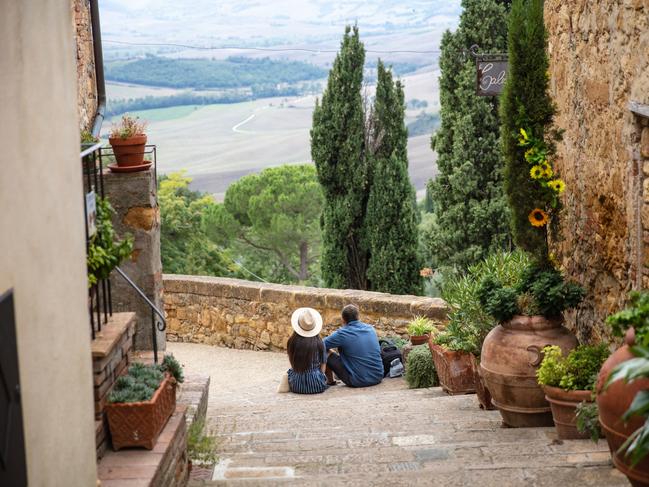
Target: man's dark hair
x=350 y=313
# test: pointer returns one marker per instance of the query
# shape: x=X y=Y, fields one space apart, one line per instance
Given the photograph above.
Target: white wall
x=42 y=252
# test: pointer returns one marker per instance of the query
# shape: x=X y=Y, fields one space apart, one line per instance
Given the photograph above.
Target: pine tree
x=338 y=150
x=472 y=216
x=526 y=104
x=391 y=220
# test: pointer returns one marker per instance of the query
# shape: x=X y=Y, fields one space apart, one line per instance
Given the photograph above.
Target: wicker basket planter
x=140 y=423
x=454 y=370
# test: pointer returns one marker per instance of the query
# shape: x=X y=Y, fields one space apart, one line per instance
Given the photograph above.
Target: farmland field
x=218 y=144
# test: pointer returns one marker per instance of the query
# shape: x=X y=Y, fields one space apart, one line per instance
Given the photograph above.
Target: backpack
x=389 y=352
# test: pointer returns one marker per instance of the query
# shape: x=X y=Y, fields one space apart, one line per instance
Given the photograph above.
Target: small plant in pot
x=420 y=330
x=623 y=391
x=141 y=402
x=530 y=317
x=568 y=381
x=128 y=140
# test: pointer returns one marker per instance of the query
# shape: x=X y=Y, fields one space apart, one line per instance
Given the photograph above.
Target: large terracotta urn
x=613 y=403
x=511 y=353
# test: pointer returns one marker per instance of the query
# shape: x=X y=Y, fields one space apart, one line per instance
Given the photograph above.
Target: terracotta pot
x=484 y=396
x=613 y=403
x=140 y=423
x=419 y=339
x=564 y=410
x=454 y=370
x=511 y=353
x=129 y=151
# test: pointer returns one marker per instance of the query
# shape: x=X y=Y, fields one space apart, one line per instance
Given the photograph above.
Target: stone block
x=644 y=143
x=139 y=217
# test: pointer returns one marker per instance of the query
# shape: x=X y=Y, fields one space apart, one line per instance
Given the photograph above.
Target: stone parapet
x=244 y=314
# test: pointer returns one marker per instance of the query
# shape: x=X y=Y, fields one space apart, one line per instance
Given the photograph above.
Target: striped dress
x=313 y=381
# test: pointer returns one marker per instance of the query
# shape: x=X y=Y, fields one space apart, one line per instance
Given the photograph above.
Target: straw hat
x=306 y=322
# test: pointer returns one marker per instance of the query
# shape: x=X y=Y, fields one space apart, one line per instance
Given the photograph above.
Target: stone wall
x=599 y=57
x=244 y=314
x=134 y=198
x=86 y=86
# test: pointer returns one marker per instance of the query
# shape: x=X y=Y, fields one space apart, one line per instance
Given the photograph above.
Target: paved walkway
x=384 y=435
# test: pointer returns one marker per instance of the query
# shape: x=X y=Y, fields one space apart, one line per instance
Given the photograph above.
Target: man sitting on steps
x=358 y=361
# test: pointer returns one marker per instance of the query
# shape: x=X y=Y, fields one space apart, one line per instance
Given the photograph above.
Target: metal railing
x=99 y=294
x=159 y=324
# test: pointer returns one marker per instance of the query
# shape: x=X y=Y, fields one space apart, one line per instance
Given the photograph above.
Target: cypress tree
x=527 y=105
x=391 y=220
x=472 y=216
x=338 y=151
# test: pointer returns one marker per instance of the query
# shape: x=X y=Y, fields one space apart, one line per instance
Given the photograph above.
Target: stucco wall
x=599 y=56
x=245 y=314
x=86 y=87
x=42 y=240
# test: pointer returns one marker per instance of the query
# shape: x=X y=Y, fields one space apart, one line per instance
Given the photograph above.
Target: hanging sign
x=91 y=213
x=491 y=75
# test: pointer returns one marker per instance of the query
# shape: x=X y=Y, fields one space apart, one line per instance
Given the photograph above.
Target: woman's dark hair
x=303 y=352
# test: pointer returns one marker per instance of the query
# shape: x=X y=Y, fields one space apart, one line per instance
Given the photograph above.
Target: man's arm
x=334 y=340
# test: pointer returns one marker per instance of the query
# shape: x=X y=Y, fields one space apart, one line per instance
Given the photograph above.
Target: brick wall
x=86 y=84
x=244 y=314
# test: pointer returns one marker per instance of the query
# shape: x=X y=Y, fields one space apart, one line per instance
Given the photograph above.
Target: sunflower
x=538 y=217
x=557 y=186
x=547 y=170
x=530 y=154
x=537 y=172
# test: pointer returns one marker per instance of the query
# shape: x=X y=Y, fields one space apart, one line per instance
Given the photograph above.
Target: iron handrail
x=160 y=325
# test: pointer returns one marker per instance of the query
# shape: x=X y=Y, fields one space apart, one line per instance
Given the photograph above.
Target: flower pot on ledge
x=129 y=152
x=419 y=339
x=454 y=369
x=140 y=423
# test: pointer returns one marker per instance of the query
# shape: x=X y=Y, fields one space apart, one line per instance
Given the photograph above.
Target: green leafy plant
x=588 y=420
x=541 y=291
x=128 y=127
x=105 y=251
x=138 y=385
x=636 y=447
x=201 y=444
x=420 y=370
x=576 y=371
x=88 y=138
x=420 y=326
x=172 y=367
x=469 y=323
x=636 y=315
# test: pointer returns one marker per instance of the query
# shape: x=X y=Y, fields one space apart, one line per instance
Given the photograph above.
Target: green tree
x=391 y=219
x=471 y=212
x=338 y=150
x=185 y=245
x=273 y=219
x=526 y=104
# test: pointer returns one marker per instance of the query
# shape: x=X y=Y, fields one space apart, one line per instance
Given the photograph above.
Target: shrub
x=201 y=444
x=173 y=367
x=588 y=420
x=469 y=323
x=420 y=325
x=636 y=315
x=138 y=385
x=420 y=370
x=577 y=371
x=541 y=291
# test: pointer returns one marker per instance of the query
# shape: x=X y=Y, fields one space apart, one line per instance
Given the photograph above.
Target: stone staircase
x=383 y=435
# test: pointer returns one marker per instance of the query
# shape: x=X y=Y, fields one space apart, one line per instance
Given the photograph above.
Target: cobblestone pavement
x=384 y=435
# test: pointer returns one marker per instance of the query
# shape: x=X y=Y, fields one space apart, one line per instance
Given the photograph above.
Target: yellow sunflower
x=538 y=217
x=557 y=186
x=529 y=154
x=547 y=170
x=537 y=172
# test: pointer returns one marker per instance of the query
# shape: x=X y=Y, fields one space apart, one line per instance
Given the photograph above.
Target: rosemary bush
x=420 y=370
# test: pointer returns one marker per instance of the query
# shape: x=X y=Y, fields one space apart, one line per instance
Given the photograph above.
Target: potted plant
x=128 y=140
x=530 y=317
x=622 y=396
x=568 y=381
x=105 y=251
x=420 y=329
x=468 y=322
x=141 y=402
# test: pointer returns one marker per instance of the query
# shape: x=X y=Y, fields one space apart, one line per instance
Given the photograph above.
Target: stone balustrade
x=253 y=315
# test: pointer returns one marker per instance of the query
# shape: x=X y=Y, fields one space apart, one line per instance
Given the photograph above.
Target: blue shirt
x=359 y=351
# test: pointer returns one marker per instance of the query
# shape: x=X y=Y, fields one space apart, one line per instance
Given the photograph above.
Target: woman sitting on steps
x=306 y=352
